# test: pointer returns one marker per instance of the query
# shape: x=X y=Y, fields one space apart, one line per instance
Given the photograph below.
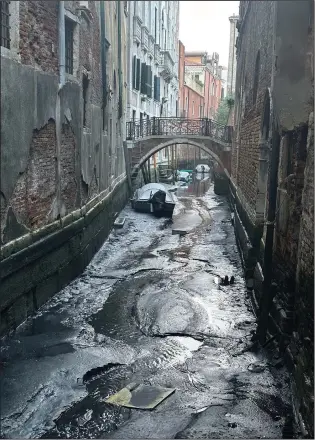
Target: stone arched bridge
x=145 y=138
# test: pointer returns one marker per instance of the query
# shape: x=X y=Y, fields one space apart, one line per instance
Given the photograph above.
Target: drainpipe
x=61 y=48
x=61 y=51
x=120 y=109
x=103 y=53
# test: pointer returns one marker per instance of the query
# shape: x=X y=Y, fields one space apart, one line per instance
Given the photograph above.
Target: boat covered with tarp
x=154 y=198
x=202 y=168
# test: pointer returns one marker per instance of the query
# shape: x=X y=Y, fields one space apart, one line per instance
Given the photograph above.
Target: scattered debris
x=119 y=222
x=226 y=281
x=256 y=367
x=140 y=396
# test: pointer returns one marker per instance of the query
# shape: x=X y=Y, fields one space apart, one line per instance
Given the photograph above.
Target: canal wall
x=37 y=265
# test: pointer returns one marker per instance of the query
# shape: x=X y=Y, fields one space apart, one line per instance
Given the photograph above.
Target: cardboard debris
x=140 y=396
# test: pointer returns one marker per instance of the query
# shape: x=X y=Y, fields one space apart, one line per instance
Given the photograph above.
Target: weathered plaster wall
x=61 y=183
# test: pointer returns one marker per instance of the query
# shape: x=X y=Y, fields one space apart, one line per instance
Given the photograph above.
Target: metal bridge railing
x=178 y=126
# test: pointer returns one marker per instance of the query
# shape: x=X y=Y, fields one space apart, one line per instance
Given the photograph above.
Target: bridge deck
x=174 y=127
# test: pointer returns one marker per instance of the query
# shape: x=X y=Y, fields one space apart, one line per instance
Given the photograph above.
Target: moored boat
x=154 y=198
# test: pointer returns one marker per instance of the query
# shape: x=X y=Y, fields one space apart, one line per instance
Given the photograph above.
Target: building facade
x=272 y=185
x=152 y=59
x=200 y=90
x=206 y=75
x=63 y=113
x=232 y=64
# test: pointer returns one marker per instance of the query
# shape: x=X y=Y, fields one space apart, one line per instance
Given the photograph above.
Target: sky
x=205 y=26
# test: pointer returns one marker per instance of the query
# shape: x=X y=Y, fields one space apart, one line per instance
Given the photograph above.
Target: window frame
x=69 y=26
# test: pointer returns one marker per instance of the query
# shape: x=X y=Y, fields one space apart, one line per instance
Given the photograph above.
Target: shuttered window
x=134 y=72
x=149 y=82
x=156 y=88
x=143 y=89
x=138 y=75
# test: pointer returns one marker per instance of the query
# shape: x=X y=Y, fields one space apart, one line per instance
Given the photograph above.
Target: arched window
x=256 y=77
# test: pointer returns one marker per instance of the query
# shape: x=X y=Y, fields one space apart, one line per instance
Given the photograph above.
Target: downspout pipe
x=61 y=48
x=62 y=68
x=103 y=54
x=120 y=104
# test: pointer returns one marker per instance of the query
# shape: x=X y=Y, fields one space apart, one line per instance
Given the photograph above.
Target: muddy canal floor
x=148 y=309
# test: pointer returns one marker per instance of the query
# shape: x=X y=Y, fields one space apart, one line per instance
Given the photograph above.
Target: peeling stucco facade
x=61 y=146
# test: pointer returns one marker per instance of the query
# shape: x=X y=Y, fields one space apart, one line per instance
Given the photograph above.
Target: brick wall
x=302 y=343
x=35 y=190
x=68 y=154
x=249 y=110
x=39 y=34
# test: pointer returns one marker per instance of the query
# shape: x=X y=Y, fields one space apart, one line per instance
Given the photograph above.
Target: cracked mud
x=148 y=309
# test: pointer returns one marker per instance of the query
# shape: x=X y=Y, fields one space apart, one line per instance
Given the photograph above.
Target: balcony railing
x=151 y=46
x=167 y=65
x=157 y=54
x=193 y=84
x=179 y=126
x=144 y=38
x=136 y=29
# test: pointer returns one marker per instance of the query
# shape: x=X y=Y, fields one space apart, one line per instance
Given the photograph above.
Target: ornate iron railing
x=178 y=127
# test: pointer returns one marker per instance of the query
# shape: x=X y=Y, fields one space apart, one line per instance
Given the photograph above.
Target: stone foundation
x=37 y=265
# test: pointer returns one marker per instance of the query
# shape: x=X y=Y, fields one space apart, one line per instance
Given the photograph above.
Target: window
x=256 y=77
x=134 y=71
x=85 y=87
x=197 y=77
x=149 y=81
x=138 y=75
x=193 y=108
x=143 y=89
x=133 y=115
x=212 y=89
x=5 y=24
x=156 y=88
x=69 y=27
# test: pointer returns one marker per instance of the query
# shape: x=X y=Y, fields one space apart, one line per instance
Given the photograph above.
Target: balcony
x=157 y=54
x=151 y=46
x=145 y=38
x=136 y=30
x=167 y=66
x=194 y=84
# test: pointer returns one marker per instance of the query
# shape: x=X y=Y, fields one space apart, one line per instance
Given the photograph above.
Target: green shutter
x=134 y=71
x=138 y=75
x=143 y=78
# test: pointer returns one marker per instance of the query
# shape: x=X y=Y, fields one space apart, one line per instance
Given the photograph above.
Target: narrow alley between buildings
x=149 y=309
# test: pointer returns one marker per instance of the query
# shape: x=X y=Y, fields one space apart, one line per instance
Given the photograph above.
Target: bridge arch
x=155 y=149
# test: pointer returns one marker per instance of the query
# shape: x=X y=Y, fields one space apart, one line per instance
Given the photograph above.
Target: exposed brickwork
x=291 y=317
x=303 y=343
x=248 y=112
x=67 y=168
x=35 y=190
x=39 y=34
